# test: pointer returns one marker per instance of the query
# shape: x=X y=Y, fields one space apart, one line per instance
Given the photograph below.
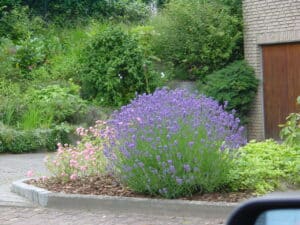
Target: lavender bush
x=172 y=143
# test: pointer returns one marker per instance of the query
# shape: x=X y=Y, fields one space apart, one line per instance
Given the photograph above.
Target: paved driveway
x=15 y=210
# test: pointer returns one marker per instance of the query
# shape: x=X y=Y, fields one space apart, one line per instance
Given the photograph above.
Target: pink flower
x=73 y=176
x=44 y=178
x=30 y=173
x=83 y=168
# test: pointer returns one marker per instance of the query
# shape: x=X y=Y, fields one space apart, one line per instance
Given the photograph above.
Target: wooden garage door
x=281 y=68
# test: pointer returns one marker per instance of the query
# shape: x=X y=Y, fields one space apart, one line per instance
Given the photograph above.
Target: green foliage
x=290 y=131
x=265 y=166
x=235 y=6
x=53 y=104
x=198 y=36
x=235 y=84
x=34 y=117
x=30 y=53
x=17 y=24
x=130 y=10
x=68 y=12
x=21 y=141
x=7 y=68
x=7 y=5
x=112 y=68
x=11 y=102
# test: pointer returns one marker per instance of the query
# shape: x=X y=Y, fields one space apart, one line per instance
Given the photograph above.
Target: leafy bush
x=8 y=69
x=7 y=5
x=70 y=11
x=21 y=141
x=84 y=159
x=235 y=84
x=54 y=104
x=11 y=102
x=18 y=60
x=17 y=24
x=290 y=131
x=30 y=53
x=172 y=143
x=112 y=69
x=128 y=10
x=265 y=166
x=198 y=36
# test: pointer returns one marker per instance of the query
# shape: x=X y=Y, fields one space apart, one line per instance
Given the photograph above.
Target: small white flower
x=162 y=75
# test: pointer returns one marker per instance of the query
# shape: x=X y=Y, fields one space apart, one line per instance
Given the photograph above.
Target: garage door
x=281 y=69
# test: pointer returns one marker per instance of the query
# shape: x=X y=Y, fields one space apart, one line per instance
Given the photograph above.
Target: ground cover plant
x=266 y=166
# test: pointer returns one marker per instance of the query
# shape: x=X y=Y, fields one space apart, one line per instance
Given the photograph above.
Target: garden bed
x=108 y=185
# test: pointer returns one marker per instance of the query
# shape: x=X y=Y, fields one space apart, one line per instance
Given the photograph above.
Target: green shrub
x=12 y=104
x=8 y=5
x=30 y=53
x=265 y=166
x=198 y=36
x=290 y=131
x=68 y=12
x=53 y=104
x=21 y=141
x=17 y=24
x=19 y=60
x=8 y=69
x=235 y=84
x=129 y=10
x=112 y=68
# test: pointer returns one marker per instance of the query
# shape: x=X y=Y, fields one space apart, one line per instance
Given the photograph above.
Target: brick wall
x=267 y=22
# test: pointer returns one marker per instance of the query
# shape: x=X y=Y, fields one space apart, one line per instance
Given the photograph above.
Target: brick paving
x=38 y=216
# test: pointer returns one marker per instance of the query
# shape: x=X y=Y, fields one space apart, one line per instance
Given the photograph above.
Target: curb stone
x=178 y=208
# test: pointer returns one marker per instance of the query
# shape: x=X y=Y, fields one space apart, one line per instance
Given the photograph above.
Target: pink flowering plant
x=85 y=158
x=173 y=143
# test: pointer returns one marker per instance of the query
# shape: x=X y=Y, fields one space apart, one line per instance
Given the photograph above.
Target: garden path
x=15 y=210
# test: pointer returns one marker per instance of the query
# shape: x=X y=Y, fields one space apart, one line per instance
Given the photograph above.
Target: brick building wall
x=266 y=22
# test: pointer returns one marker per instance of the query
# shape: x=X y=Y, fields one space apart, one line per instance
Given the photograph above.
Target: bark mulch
x=108 y=185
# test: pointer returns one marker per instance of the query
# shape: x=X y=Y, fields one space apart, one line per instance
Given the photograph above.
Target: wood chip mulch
x=108 y=185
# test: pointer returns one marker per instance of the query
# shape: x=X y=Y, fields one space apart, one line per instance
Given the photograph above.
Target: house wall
x=266 y=22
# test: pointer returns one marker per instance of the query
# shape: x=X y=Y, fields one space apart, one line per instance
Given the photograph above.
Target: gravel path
x=14 y=167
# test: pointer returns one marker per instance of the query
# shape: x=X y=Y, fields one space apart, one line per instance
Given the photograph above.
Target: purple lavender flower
x=172 y=169
x=141 y=164
x=179 y=180
x=186 y=168
x=169 y=124
x=191 y=143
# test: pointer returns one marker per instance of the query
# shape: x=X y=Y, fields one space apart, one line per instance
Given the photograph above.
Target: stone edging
x=182 y=208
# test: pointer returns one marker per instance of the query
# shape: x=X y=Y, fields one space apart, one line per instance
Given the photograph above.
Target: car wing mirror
x=270 y=210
